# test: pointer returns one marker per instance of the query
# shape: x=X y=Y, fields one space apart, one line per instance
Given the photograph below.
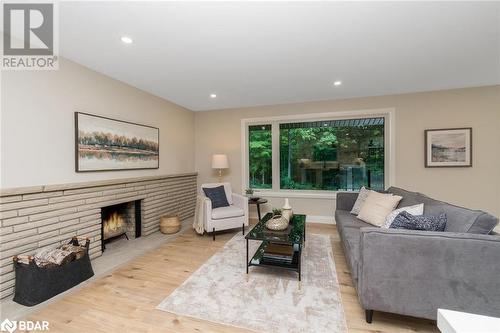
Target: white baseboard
x=320 y=219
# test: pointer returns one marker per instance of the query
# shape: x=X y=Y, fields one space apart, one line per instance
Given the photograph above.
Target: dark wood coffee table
x=294 y=237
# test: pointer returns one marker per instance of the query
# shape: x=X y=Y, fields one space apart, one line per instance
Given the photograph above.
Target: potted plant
x=249 y=193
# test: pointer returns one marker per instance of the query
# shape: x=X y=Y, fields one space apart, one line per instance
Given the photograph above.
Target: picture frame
x=106 y=144
x=448 y=147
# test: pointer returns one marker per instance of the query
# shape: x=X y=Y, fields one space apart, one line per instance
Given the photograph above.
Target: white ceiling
x=263 y=53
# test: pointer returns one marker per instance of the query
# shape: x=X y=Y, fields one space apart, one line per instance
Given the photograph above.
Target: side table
x=257 y=202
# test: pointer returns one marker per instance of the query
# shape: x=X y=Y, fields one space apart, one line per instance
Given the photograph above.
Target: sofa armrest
x=416 y=272
x=346 y=200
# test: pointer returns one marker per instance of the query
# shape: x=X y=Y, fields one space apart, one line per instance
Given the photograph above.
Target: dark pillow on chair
x=405 y=220
x=217 y=195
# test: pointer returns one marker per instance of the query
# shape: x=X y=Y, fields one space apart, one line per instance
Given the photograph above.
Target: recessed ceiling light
x=213 y=95
x=337 y=83
x=126 y=40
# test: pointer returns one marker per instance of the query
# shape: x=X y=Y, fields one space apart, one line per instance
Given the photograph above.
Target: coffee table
x=294 y=237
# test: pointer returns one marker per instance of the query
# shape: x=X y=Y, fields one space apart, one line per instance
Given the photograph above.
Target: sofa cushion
x=484 y=224
x=462 y=219
x=345 y=200
x=227 y=212
x=409 y=198
x=344 y=219
x=459 y=219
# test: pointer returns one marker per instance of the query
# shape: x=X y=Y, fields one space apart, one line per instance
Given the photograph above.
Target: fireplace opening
x=120 y=221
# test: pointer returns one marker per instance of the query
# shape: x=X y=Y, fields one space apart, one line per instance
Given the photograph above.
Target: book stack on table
x=278 y=253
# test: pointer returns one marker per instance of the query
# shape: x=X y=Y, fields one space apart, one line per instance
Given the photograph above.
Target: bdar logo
x=8 y=326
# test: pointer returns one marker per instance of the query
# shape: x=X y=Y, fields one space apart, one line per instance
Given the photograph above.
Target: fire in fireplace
x=114 y=225
x=121 y=220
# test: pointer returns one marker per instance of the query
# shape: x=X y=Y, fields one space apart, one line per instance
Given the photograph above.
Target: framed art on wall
x=451 y=147
x=105 y=144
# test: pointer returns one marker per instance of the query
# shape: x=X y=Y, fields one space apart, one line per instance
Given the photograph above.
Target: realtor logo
x=23 y=325
x=29 y=36
x=8 y=326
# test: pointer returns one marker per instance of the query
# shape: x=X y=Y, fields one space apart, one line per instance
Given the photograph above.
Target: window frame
x=389 y=148
x=245 y=143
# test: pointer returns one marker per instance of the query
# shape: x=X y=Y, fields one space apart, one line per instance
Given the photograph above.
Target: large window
x=318 y=154
x=260 y=156
x=332 y=155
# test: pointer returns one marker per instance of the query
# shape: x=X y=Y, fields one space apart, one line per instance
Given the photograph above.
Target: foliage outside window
x=260 y=156
x=332 y=155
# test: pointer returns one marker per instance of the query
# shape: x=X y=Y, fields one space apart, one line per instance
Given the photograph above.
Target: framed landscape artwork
x=104 y=144
x=450 y=147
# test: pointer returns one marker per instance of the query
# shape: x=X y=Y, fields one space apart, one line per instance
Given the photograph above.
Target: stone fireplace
x=121 y=220
x=41 y=216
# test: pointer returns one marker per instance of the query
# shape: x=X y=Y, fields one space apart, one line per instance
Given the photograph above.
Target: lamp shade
x=219 y=161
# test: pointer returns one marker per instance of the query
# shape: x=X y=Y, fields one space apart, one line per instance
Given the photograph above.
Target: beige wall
x=37 y=124
x=37 y=133
x=477 y=187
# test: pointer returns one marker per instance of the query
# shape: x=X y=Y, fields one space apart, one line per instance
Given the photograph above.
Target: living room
x=250 y=166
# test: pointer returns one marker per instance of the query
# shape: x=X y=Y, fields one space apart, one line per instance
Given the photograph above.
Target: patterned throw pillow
x=405 y=220
x=363 y=194
x=413 y=210
x=217 y=195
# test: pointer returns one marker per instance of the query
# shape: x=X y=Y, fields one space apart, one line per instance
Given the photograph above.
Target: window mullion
x=275 y=128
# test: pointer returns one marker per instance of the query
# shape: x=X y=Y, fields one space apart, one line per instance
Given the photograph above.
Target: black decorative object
x=36 y=284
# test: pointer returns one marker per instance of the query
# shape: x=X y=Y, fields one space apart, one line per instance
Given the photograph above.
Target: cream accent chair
x=223 y=218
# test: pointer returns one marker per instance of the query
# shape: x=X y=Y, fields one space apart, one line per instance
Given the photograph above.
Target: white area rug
x=267 y=300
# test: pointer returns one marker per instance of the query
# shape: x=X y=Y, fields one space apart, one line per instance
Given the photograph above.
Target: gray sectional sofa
x=414 y=273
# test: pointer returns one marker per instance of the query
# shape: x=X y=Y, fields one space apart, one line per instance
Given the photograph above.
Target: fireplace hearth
x=120 y=221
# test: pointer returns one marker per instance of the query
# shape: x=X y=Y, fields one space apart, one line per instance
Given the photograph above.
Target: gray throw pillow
x=405 y=220
x=217 y=195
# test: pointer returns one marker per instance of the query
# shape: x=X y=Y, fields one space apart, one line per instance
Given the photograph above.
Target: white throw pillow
x=363 y=194
x=413 y=210
x=377 y=206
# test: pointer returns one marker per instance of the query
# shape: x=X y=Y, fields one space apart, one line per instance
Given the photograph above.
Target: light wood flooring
x=125 y=300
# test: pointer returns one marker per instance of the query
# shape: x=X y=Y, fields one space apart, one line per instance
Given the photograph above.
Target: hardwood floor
x=125 y=300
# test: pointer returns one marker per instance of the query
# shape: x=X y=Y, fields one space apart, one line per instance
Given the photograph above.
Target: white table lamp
x=219 y=161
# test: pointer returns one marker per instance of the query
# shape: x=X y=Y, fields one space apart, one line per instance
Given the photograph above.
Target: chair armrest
x=416 y=272
x=346 y=200
x=207 y=211
x=240 y=201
